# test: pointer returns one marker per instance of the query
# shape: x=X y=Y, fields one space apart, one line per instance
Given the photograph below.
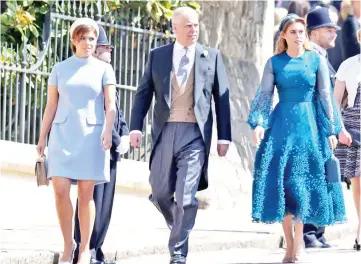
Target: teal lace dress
x=289 y=173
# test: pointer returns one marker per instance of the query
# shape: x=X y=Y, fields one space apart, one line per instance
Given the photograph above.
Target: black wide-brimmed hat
x=320 y=17
x=102 y=38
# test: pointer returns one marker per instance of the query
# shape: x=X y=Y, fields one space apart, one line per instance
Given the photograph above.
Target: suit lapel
x=198 y=77
x=166 y=70
x=332 y=70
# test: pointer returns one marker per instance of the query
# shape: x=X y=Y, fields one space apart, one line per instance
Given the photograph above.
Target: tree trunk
x=243 y=32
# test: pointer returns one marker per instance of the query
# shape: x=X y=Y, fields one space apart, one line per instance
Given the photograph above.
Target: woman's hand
x=345 y=137
x=106 y=140
x=333 y=141
x=41 y=147
x=258 y=134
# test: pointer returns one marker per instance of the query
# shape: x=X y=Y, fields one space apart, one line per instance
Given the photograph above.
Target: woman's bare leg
x=355 y=183
x=86 y=209
x=65 y=212
x=288 y=231
x=298 y=241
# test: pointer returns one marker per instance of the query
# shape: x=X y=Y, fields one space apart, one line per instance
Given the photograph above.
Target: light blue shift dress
x=74 y=148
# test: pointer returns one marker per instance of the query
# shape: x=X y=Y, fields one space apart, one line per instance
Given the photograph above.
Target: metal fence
x=23 y=76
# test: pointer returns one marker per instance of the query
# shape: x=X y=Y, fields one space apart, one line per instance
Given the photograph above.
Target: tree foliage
x=23 y=20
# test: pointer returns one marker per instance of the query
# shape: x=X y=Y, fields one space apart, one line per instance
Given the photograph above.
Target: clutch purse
x=41 y=169
x=333 y=170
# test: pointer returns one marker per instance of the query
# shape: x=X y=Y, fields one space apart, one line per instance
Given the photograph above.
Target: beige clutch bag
x=41 y=169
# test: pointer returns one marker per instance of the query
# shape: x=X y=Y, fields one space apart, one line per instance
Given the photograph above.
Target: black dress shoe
x=93 y=261
x=357 y=246
x=314 y=244
x=326 y=245
x=178 y=259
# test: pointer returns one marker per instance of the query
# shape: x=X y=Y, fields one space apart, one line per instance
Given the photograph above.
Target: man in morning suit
x=182 y=77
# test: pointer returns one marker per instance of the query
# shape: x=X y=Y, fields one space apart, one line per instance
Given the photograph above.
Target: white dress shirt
x=178 y=53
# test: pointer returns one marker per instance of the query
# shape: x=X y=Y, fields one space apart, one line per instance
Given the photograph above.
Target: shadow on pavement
x=278 y=262
x=226 y=231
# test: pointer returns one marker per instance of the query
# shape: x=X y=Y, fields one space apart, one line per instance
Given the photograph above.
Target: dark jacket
x=350 y=44
x=210 y=80
x=331 y=70
x=120 y=129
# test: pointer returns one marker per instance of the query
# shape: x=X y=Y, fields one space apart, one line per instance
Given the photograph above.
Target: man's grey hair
x=182 y=12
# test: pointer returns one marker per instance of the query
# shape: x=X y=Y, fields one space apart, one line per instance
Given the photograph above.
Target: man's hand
x=258 y=135
x=345 y=138
x=135 y=140
x=222 y=149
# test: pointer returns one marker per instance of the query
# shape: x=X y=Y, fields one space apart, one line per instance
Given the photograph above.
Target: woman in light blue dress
x=79 y=89
x=295 y=140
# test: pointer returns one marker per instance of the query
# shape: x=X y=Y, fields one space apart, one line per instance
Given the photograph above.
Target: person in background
x=349 y=28
x=322 y=34
x=345 y=11
x=280 y=13
x=348 y=152
x=335 y=54
x=104 y=193
x=298 y=7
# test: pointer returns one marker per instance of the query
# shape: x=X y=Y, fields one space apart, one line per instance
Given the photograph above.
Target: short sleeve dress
x=74 y=148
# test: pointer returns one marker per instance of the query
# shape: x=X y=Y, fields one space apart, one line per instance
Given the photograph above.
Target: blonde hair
x=280 y=13
x=346 y=9
x=281 y=44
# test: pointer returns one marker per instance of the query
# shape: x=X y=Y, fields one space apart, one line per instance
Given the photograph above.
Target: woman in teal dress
x=295 y=140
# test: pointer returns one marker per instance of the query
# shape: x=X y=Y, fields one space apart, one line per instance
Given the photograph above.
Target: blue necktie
x=181 y=70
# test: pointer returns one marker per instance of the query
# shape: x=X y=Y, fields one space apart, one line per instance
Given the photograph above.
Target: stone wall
x=243 y=32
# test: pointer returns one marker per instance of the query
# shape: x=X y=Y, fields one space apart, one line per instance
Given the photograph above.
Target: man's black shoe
x=326 y=245
x=178 y=259
x=324 y=242
x=314 y=244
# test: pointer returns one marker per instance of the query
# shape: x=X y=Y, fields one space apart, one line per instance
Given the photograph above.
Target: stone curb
x=270 y=241
x=48 y=257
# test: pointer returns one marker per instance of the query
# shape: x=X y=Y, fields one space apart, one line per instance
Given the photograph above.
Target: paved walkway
x=29 y=226
x=341 y=253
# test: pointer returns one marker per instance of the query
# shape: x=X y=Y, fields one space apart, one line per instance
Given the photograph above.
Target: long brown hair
x=281 y=44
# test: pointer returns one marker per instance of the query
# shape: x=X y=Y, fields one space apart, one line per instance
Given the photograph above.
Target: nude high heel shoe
x=71 y=258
